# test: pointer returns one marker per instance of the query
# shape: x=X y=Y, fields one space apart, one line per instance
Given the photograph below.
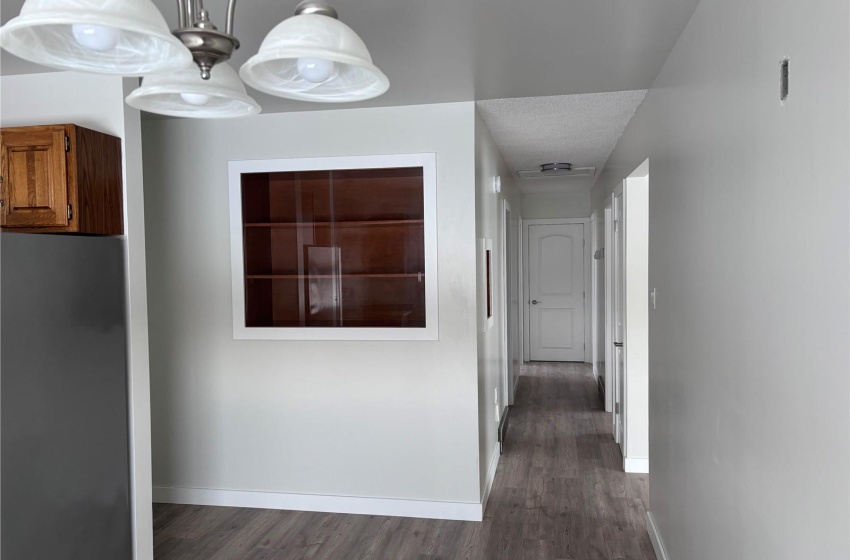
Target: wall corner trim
x=491 y=476
x=636 y=465
x=655 y=537
x=454 y=511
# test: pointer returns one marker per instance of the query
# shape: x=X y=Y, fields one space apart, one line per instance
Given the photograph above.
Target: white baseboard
x=488 y=484
x=636 y=466
x=456 y=511
x=655 y=537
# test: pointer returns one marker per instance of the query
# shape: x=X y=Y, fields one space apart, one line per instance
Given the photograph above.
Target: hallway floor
x=559 y=494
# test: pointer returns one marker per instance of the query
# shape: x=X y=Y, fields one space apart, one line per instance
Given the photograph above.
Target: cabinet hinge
x=70 y=213
x=67 y=144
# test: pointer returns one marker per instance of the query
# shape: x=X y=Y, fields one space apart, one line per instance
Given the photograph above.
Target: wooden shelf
x=318 y=276
x=300 y=227
x=337 y=224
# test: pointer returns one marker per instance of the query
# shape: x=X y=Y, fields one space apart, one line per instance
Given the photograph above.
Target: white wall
x=547 y=206
x=363 y=419
x=491 y=350
x=97 y=102
x=748 y=249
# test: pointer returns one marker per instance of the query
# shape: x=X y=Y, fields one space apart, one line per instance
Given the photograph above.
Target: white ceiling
x=580 y=129
x=541 y=64
x=460 y=50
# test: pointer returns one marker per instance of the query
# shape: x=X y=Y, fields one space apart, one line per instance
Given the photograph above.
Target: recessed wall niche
x=334 y=248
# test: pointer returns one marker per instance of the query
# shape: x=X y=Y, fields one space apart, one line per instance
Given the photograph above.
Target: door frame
x=507 y=390
x=521 y=291
x=594 y=298
x=588 y=260
x=619 y=437
x=635 y=360
x=609 y=298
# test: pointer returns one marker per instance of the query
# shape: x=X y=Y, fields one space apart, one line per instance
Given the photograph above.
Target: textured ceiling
x=448 y=50
x=578 y=129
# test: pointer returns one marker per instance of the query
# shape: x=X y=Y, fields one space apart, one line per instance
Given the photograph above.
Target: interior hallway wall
x=546 y=206
x=373 y=419
x=749 y=250
x=97 y=102
x=489 y=224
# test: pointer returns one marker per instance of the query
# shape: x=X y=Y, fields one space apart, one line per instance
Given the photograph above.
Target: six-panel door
x=34 y=189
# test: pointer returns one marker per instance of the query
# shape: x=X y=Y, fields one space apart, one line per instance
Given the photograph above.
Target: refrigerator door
x=64 y=462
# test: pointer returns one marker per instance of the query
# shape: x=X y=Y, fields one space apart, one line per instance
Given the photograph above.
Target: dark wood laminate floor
x=559 y=494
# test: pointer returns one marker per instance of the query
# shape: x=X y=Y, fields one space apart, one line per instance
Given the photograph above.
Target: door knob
x=535 y=302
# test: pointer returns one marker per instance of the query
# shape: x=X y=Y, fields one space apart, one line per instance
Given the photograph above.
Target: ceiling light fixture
x=125 y=37
x=185 y=94
x=548 y=167
x=557 y=170
x=311 y=56
x=314 y=57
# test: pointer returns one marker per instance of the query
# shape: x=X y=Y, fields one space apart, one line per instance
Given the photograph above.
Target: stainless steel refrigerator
x=64 y=462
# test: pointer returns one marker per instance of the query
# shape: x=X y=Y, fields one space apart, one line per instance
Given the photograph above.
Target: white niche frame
x=428 y=163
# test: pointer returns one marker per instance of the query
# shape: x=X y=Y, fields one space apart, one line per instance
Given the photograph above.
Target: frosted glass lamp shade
x=124 y=37
x=310 y=38
x=185 y=94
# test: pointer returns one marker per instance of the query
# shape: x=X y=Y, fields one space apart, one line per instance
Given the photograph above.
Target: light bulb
x=99 y=38
x=196 y=99
x=316 y=70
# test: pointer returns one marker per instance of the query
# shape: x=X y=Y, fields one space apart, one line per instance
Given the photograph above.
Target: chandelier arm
x=231 y=12
x=191 y=12
x=182 y=14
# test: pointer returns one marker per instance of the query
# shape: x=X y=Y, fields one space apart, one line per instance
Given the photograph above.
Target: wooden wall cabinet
x=60 y=179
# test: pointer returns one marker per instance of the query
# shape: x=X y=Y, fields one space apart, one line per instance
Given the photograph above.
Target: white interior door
x=556 y=292
x=619 y=308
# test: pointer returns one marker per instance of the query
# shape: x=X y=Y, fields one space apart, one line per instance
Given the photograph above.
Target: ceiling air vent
x=557 y=170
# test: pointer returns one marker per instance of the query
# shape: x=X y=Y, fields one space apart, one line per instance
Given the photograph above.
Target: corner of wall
x=137 y=329
x=655 y=538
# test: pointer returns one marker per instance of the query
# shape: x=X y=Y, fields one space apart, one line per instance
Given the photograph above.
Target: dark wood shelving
x=361 y=223
x=319 y=276
x=333 y=248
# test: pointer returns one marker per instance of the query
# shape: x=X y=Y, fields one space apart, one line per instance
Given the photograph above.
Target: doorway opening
x=510 y=281
x=626 y=312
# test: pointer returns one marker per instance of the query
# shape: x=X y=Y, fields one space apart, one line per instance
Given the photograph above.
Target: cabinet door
x=35 y=191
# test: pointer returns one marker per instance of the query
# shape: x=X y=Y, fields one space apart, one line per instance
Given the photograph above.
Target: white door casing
x=618 y=316
x=609 y=298
x=635 y=320
x=508 y=318
x=556 y=292
x=521 y=291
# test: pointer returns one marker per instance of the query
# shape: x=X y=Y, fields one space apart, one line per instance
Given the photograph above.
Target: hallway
x=559 y=493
